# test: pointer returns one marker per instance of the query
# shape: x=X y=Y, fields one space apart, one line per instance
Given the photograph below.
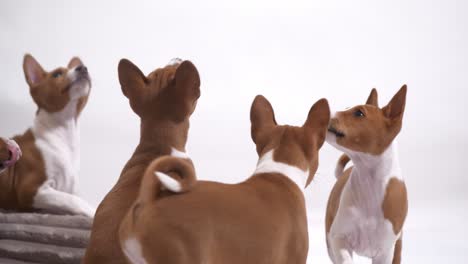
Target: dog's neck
x=159 y=136
x=376 y=167
x=57 y=137
x=266 y=164
x=61 y=126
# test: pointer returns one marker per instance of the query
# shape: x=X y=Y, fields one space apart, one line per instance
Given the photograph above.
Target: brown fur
x=261 y=220
x=334 y=199
x=49 y=89
x=395 y=204
x=20 y=182
x=164 y=101
x=4 y=151
x=374 y=132
x=397 y=253
x=267 y=135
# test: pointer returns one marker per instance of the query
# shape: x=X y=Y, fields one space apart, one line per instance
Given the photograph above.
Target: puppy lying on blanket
x=10 y=153
x=46 y=176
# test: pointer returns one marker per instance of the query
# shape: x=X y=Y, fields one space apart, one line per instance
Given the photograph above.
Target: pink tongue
x=15 y=153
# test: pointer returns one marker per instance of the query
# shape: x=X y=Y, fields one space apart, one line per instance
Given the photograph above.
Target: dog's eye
x=358 y=113
x=57 y=74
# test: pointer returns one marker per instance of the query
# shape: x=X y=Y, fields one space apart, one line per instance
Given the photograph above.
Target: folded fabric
x=42 y=238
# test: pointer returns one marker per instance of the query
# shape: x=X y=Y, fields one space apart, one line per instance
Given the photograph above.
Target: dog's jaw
x=80 y=83
x=331 y=138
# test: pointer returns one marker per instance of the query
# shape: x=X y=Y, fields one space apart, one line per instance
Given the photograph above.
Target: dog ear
x=262 y=116
x=186 y=88
x=318 y=119
x=131 y=80
x=32 y=70
x=396 y=107
x=373 y=98
x=74 y=62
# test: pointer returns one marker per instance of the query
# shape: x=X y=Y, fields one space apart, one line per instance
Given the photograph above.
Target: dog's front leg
x=385 y=257
x=341 y=253
x=48 y=198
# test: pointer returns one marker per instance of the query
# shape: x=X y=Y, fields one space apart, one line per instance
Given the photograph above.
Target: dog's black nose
x=81 y=69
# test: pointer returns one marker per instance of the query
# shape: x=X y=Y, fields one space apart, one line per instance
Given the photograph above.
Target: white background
x=293 y=53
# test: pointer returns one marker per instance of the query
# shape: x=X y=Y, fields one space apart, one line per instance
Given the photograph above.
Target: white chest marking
x=360 y=218
x=266 y=164
x=57 y=138
x=133 y=251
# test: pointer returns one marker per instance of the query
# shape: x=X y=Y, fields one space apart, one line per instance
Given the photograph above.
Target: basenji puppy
x=368 y=204
x=261 y=220
x=46 y=176
x=164 y=100
x=10 y=153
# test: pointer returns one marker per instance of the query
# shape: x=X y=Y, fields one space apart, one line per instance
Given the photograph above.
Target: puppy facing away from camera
x=10 y=153
x=164 y=100
x=259 y=221
x=46 y=176
x=367 y=206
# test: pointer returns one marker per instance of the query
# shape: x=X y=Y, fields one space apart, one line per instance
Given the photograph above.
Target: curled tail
x=344 y=159
x=167 y=173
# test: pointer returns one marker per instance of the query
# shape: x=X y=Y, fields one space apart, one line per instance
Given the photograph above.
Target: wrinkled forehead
x=366 y=109
x=167 y=71
x=60 y=69
x=285 y=135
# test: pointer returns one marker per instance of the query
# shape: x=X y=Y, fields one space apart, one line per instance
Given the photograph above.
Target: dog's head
x=368 y=128
x=10 y=153
x=168 y=93
x=53 y=91
x=296 y=146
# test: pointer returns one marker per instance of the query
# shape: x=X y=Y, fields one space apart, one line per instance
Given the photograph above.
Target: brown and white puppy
x=46 y=176
x=10 y=153
x=368 y=204
x=164 y=101
x=261 y=220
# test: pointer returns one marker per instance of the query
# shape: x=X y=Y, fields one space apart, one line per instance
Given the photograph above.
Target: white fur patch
x=266 y=164
x=133 y=251
x=360 y=222
x=174 y=61
x=179 y=154
x=52 y=200
x=57 y=139
x=168 y=182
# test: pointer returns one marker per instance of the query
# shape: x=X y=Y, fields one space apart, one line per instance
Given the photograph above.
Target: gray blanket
x=42 y=238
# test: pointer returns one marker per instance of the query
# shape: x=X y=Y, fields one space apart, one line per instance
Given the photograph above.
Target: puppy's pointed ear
x=131 y=79
x=74 y=62
x=396 y=107
x=373 y=98
x=32 y=70
x=262 y=117
x=186 y=87
x=318 y=119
